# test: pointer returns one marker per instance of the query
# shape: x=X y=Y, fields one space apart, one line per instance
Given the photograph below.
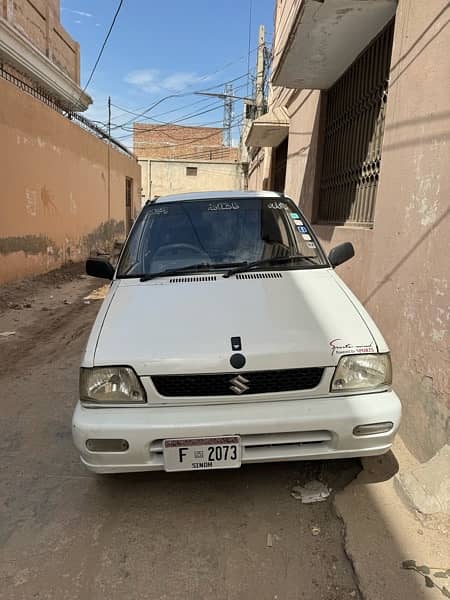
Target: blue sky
x=166 y=47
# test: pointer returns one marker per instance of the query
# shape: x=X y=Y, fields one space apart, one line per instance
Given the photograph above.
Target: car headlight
x=362 y=372
x=108 y=385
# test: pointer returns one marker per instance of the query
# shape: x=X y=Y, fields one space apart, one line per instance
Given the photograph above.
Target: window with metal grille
x=191 y=171
x=353 y=140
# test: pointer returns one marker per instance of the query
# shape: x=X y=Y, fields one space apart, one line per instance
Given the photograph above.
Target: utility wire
x=179 y=95
x=207 y=75
x=158 y=127
x=249 y=43
x=203 y=101
x=119 y=6
x=162 y=126
x=183 y=143
x=165 y=129
x=209 y=107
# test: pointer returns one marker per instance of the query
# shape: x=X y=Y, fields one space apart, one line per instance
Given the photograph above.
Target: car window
x=177 y=234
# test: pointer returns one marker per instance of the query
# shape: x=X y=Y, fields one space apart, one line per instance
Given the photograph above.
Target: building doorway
x=128 y=204
x=279 y=162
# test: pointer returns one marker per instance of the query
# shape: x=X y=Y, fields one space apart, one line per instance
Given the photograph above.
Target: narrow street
x=67 y=534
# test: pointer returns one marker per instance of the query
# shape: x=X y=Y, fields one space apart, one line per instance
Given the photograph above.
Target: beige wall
x=401 y=271
x=54 y=188
x=161 y=177
x=38 y=20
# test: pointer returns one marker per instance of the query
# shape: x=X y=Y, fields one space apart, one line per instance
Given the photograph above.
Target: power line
x=119 y=6
x=179 y=95
x=207 y=75
x=182 y=117
x=160 y=125
x=249 y=43
x=215 y=106
x=178 y=109
x=184 y=142
x=163 y=129
x=215 y=103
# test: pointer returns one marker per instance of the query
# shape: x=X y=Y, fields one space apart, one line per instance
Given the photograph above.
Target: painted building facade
x=358 y=135
x=176 y=159
x=66 y=191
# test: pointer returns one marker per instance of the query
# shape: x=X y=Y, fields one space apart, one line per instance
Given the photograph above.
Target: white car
x=227 y=337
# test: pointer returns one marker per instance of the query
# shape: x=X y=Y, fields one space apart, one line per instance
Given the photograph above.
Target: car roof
x=227 y=195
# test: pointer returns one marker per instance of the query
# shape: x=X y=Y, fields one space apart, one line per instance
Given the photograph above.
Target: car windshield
x=218 y=234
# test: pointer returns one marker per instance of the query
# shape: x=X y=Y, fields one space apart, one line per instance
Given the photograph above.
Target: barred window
x=355 y=113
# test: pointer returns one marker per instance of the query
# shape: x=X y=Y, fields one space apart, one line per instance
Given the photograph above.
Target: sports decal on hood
x=339 y=347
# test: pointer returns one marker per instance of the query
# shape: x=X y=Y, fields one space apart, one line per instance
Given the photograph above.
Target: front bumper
x=318 y=428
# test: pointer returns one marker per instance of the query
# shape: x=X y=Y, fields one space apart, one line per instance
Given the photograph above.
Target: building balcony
x=269 y=130
x=317 y=40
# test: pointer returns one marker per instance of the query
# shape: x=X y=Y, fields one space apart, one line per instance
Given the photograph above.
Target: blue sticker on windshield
x=302 y=229
x=295 y=215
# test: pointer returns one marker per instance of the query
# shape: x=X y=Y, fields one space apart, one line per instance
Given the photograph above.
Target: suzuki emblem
x=239 y=384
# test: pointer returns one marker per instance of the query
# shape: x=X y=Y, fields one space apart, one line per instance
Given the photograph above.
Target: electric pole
x=109 y=158
x=109 y=116
x=227 y=98
x=259 y=89
x=227 y=113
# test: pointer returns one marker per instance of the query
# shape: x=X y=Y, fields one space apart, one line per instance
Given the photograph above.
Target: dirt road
x=67 y=534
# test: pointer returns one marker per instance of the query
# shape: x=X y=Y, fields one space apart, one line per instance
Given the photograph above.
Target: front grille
x=253 y=382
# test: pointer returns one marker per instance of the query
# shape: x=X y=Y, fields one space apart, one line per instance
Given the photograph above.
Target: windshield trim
x=305 y=267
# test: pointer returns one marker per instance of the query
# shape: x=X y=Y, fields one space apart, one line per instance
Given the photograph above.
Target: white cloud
x=152 y=81
x=80 y=13
x=77 y=22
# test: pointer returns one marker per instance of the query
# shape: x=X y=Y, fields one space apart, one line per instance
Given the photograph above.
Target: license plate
x=196 y=454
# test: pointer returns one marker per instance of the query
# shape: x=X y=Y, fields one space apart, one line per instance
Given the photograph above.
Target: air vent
x=259 y=276
x=195 y=279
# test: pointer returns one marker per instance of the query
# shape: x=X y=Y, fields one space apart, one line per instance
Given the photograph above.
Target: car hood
x=290 y=319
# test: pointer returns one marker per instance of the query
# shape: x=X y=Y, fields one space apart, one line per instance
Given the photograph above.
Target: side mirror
x=340 y=254
x=99 y=267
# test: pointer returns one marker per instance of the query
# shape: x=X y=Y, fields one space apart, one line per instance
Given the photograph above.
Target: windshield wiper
x=188 y=269
x=247 y=266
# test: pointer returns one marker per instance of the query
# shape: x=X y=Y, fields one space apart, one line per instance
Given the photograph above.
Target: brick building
x=176 y=158
x=35 y=47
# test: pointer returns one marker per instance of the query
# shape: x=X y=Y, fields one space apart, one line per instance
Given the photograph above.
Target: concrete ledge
x=427 y=487
x=20 y=53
